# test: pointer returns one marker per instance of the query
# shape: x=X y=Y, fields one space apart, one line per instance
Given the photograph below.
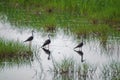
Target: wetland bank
x=95 y=22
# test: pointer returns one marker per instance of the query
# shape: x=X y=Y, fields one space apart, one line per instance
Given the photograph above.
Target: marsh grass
x=99 y=30
x=11 y=48
x=61 y=13
x=68 y=66
x=8 y=61
x=92 y=8
x=81 y=17
x=13 y=53
x=65 y=66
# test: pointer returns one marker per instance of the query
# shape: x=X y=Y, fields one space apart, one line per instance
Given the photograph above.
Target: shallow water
x=94 y=52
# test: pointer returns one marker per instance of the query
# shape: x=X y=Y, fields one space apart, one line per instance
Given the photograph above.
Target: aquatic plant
x=69 y=66
x=9 y=48
x=65 y=66
x=111 y=71
x=14 y=53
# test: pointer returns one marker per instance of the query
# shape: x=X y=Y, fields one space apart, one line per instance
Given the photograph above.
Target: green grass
x=14 y=53
x=65 y=66
x=10 y=60
x=9 y=48
x=85 y=29
x=80 y=16
x=68 y=66
x=92 y=8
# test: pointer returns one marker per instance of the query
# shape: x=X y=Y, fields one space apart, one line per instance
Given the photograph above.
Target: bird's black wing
x=29 y=39
x=79 y=45
x=46 y=42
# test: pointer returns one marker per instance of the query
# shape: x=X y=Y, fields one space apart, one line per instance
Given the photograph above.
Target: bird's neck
x=49 y=37
x=32 y=34
x=82 y=39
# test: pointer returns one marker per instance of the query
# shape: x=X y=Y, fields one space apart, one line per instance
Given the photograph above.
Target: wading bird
x=47 y=42
x=79 y=45
x=30 y=39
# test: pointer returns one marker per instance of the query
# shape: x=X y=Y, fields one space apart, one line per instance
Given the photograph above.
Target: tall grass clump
x=65 y=66
x=11 y=48
x=15 y=53
x=69 y=66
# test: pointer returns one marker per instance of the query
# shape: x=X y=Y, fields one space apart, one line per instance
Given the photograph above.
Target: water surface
x=95 y=52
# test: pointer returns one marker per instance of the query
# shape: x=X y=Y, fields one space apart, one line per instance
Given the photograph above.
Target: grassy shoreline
x=12 y=48
x=91 y=15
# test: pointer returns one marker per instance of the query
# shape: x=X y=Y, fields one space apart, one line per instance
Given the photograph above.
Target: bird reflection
x=81 y=54
x=47 y=51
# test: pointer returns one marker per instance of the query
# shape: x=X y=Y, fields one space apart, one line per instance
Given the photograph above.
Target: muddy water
x=61 y=46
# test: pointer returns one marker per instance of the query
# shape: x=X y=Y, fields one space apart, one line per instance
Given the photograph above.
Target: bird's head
x=49 y=35
x=33 y=31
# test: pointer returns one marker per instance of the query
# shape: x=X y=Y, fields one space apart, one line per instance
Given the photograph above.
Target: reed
x=69 y=66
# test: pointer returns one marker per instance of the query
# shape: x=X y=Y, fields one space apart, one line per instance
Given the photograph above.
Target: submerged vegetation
x=111 y=71
x=81 y=16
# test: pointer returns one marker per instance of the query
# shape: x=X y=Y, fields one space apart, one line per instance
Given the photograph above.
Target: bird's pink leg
x=30 y=45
